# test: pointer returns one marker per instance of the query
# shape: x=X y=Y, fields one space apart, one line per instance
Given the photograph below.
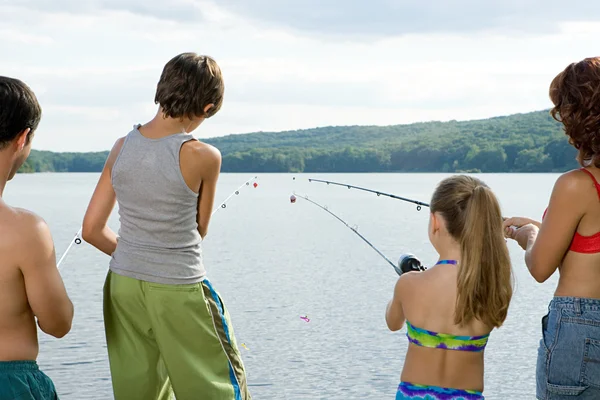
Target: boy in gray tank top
x=167 y=329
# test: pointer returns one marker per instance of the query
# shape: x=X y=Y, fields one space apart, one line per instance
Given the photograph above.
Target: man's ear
x=22 y=139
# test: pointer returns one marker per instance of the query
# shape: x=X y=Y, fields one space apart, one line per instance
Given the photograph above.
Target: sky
x=288 y=65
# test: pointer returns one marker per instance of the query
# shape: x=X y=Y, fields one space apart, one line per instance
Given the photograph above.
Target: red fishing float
x=255 y=184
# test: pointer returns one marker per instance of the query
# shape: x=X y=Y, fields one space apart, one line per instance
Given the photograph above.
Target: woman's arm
x=546 y=247
x=520 y=221
x=95 y=229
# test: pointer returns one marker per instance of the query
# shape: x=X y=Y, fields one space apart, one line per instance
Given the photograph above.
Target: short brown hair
x=575 y=93
x=473 y=218
x=19 y=110
x=189 y=82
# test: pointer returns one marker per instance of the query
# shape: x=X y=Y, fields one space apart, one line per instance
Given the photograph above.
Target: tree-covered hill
x=531 y=142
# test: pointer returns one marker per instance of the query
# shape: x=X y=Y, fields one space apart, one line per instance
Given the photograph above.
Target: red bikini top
x=585 y=244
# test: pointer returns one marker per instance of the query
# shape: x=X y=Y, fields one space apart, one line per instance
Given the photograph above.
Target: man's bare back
x=30 y=285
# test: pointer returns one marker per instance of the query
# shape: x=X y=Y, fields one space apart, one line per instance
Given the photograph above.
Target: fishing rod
x=407 y=262
x=223 y=204
x=235 y=193
x=378 y=193
x=76 y=240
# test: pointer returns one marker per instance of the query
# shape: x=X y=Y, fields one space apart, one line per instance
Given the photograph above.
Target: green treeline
x=47 y=161
x=531 y=142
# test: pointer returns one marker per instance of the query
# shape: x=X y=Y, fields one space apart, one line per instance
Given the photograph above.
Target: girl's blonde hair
x=473 y=217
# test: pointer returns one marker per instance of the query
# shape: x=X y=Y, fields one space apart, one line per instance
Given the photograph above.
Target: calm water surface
x=274 y=261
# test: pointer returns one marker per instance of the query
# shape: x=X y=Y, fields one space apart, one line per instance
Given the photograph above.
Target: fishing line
x=378 y=193
x=354 y=229
x=76 y=240
x=223 y=204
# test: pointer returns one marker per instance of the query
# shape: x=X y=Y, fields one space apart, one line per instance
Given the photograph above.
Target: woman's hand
x=519 y=222
x=524 y=235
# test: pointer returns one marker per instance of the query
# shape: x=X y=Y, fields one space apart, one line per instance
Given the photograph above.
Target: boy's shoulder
x=200 y=154
x=202 y=148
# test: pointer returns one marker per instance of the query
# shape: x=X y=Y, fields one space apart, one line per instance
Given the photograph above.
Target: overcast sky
x=289 y=64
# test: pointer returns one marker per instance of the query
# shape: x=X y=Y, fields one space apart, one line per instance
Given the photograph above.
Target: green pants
x=170 y=338
x=22 y=380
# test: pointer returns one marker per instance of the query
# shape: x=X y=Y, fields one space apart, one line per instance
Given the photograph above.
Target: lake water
x=274 y=261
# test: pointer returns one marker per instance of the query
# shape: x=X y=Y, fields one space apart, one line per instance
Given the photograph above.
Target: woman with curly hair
x=568 y=239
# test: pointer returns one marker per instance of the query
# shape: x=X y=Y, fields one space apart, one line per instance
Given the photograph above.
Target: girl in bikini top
x=465 y=228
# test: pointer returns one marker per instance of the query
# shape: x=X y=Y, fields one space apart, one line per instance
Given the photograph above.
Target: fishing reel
x=408 y=263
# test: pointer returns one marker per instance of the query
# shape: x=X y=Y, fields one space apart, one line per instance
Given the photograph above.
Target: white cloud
x=380 y=18
x=10 y=35
x=95 y=68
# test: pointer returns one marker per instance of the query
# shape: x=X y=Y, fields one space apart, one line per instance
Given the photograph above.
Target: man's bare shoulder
x=26 y=226
x=23 y=235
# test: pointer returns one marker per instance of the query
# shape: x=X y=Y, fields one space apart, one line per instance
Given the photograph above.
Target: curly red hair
x=575 y=93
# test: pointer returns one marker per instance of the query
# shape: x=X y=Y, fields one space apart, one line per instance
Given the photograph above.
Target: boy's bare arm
x=208 y=163
x=45 y=289
x=95 y=222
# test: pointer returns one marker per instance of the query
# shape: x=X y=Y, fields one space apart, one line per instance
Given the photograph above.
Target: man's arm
x=95 y=223
x=45 y=289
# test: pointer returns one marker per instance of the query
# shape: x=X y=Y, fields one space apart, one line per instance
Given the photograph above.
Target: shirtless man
x=30 y=284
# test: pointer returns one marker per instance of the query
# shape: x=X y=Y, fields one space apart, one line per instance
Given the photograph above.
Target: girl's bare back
x=431 y=306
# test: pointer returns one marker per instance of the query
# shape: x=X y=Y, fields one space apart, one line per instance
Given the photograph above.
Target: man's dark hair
x=19 y=110
x=188 y=83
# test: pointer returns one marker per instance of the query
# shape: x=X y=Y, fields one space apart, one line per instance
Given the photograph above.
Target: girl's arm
x=95 y=229
x=394 y=313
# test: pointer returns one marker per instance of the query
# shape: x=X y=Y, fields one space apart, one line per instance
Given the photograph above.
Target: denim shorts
x=568 y=364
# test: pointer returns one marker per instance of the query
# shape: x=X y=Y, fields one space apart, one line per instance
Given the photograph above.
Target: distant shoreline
x=519 y=143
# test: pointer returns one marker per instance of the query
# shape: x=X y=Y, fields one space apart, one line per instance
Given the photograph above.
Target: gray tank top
x=158 y=238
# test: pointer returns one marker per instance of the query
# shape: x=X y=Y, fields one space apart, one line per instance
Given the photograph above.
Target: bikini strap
x=594 y=179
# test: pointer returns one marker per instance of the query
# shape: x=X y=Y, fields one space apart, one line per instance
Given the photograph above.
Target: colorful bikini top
x=435 y=340
x=580 y=243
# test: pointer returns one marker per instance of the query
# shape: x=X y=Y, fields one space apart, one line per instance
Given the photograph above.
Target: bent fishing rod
x=407 y=262
x=378 y=193
x=223 y=204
